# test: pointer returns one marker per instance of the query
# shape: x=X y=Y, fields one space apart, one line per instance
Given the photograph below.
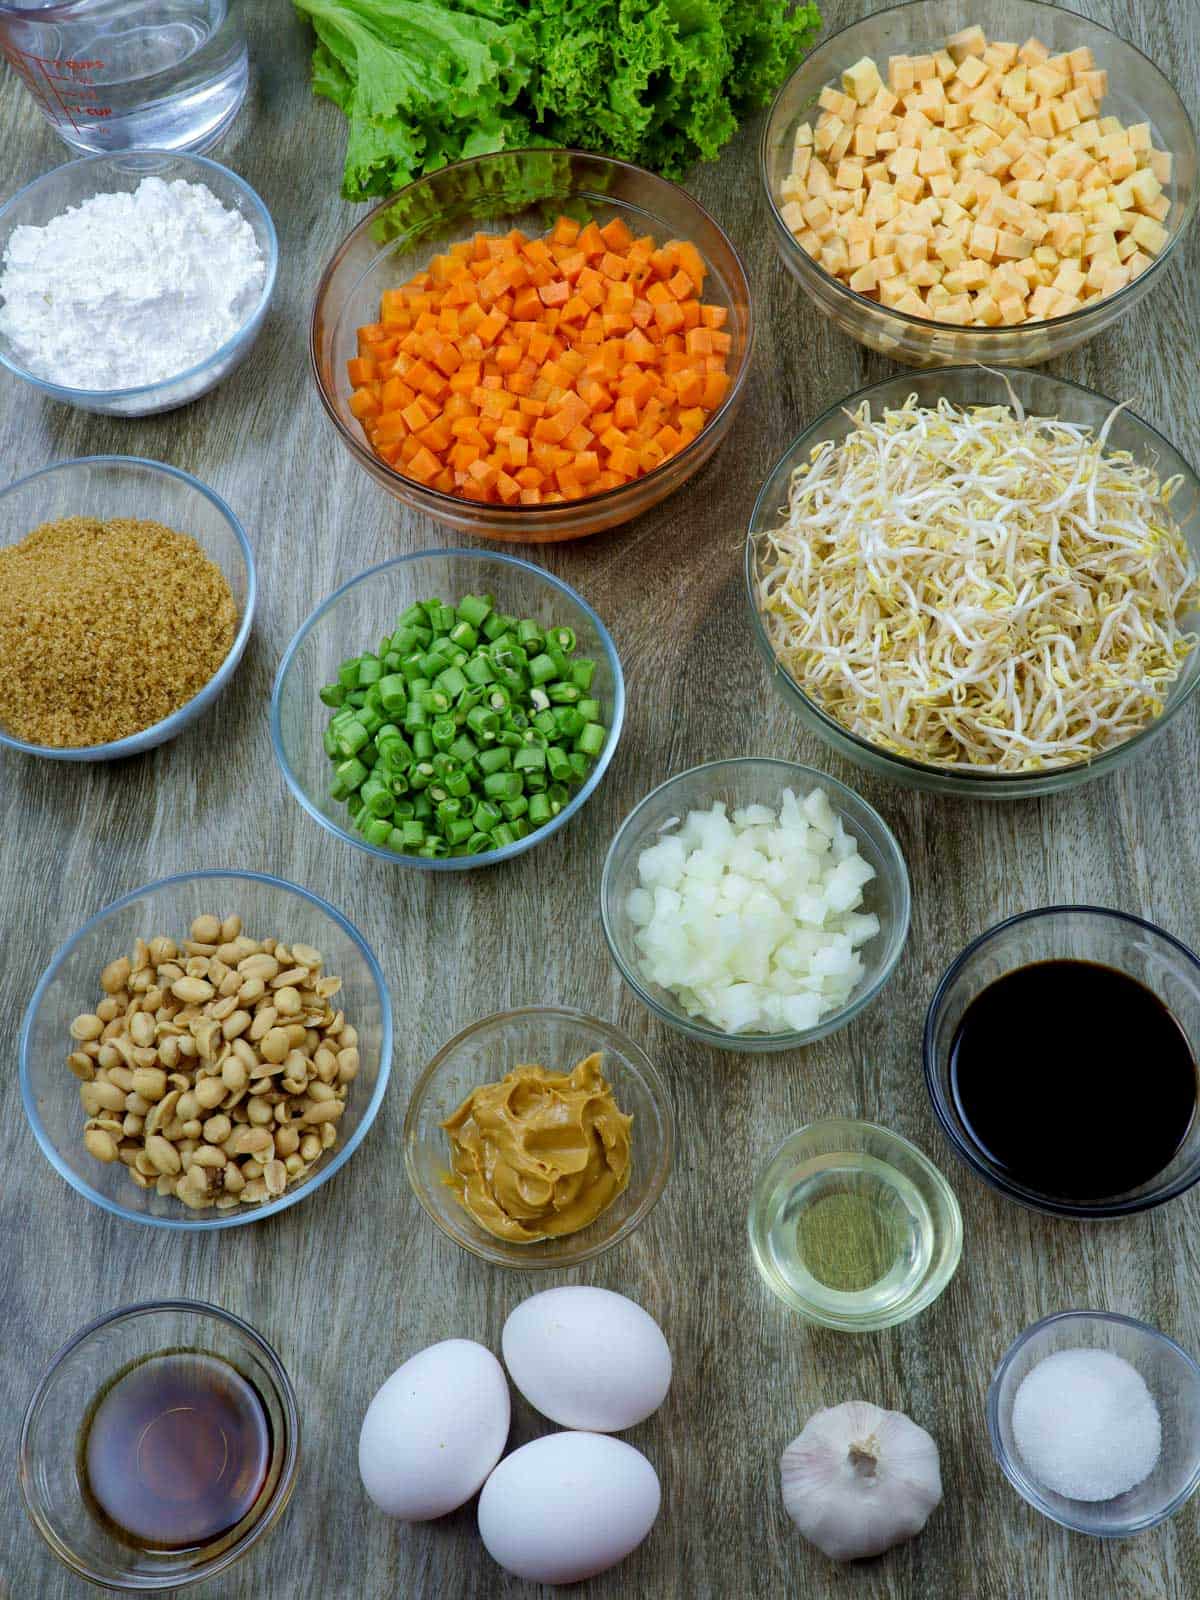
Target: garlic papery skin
x=858 y=1479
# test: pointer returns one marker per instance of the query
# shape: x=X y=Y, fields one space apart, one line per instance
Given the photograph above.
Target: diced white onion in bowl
x=752 y=922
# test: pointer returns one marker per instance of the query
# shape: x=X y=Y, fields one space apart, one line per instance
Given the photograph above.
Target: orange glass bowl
x=524 y=189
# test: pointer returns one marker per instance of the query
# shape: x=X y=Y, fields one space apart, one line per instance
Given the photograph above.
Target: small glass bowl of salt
x=1095 y=1420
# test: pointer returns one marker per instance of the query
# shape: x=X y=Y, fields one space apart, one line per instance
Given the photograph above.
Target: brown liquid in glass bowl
x=174 y=1453
x=1074 y=1079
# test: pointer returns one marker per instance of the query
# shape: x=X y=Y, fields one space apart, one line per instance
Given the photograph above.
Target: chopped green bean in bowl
x=479 y=713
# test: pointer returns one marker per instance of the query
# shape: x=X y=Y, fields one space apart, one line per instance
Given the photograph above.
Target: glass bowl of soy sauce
x=160 y=1446
x=1060 y=1055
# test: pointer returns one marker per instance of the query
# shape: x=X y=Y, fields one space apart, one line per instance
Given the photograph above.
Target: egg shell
x=587 y=1358
x=567 y=1506
x=434 y=1430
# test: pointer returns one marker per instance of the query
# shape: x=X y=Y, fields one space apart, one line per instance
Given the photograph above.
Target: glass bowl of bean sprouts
x=1014 y=705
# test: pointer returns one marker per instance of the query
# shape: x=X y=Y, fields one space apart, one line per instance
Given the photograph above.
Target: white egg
x=568 y=1506
x=434 y=1430
x=587 y=1358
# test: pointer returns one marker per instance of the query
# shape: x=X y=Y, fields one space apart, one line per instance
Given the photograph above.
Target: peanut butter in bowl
x=539 y=1154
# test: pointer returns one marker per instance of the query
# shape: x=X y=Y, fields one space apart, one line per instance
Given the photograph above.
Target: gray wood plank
x=355 y=1280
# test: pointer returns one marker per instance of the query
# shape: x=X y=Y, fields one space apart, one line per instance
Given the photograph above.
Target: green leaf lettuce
x=420 y=83
x=659 y=82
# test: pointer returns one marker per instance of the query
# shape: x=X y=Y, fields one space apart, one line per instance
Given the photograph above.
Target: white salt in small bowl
x=1173 y=1379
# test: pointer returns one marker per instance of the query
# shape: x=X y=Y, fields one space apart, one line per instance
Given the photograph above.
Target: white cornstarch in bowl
x=128 y=289
x=1086 y=1425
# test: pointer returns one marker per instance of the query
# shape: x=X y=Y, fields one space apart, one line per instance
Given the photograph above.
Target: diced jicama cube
x=820 y=813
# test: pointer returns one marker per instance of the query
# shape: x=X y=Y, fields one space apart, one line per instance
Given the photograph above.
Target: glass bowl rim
x=655 y=1084
x=1024 y=1485
x=761 y=1043
x=158 y=732
x=939 y=1282
x=285 y=1393
x=232 y=1219
x=786 y=242
x=488 y=858
x=510 y=516
x=828 y=725
x=146 y=391
x=1027 y=1197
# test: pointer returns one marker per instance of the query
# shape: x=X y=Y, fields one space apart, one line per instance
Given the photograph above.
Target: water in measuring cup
x=116 y=75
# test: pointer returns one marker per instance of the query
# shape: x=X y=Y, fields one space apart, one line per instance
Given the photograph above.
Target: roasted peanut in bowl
x=207 y=1050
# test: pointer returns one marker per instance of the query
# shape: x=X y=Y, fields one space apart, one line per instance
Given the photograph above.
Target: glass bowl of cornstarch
x=133 y=284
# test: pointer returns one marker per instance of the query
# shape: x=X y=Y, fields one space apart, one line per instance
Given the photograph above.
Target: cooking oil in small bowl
x=853 y=1227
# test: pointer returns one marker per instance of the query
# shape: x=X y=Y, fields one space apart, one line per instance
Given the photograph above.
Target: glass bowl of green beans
x=448 y=709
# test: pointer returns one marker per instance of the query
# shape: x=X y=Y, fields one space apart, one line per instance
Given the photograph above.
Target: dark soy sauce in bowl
x=1073 y=1079
x=175 y=1451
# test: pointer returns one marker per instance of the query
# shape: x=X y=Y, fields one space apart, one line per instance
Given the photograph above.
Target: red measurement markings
x=76 y=72
x=21 y=67
x=43 y=83
x=65 y=107
x=69 y=62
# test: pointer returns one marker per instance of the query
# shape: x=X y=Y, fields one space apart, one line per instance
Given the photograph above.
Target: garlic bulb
x=859 y=1479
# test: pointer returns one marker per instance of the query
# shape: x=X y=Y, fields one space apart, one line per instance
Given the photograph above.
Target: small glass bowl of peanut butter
x=539 y=1137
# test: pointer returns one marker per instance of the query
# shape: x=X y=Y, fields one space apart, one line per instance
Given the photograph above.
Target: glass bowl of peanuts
x=206 y=1051
x=954 y=183
x=616 y=353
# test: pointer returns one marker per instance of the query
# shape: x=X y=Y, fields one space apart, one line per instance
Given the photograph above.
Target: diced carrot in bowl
x=528 y=372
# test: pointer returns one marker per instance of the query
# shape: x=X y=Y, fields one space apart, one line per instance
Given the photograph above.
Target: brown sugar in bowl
x=176 y=662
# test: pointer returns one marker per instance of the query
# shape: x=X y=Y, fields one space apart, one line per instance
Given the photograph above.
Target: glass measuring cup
x=113 y=75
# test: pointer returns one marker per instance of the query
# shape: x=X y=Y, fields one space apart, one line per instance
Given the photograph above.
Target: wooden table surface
x=350 y=1283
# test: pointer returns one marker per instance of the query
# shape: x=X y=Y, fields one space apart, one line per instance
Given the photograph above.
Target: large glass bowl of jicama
x=1036 y=137
x=755 y=904
x=422 y=227
x=981 y=583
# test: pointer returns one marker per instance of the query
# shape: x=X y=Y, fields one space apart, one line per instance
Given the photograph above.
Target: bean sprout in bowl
x=754 y=782
x=269 y=908
x=1137 y=93
x=525 y=189
x=964 y=387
